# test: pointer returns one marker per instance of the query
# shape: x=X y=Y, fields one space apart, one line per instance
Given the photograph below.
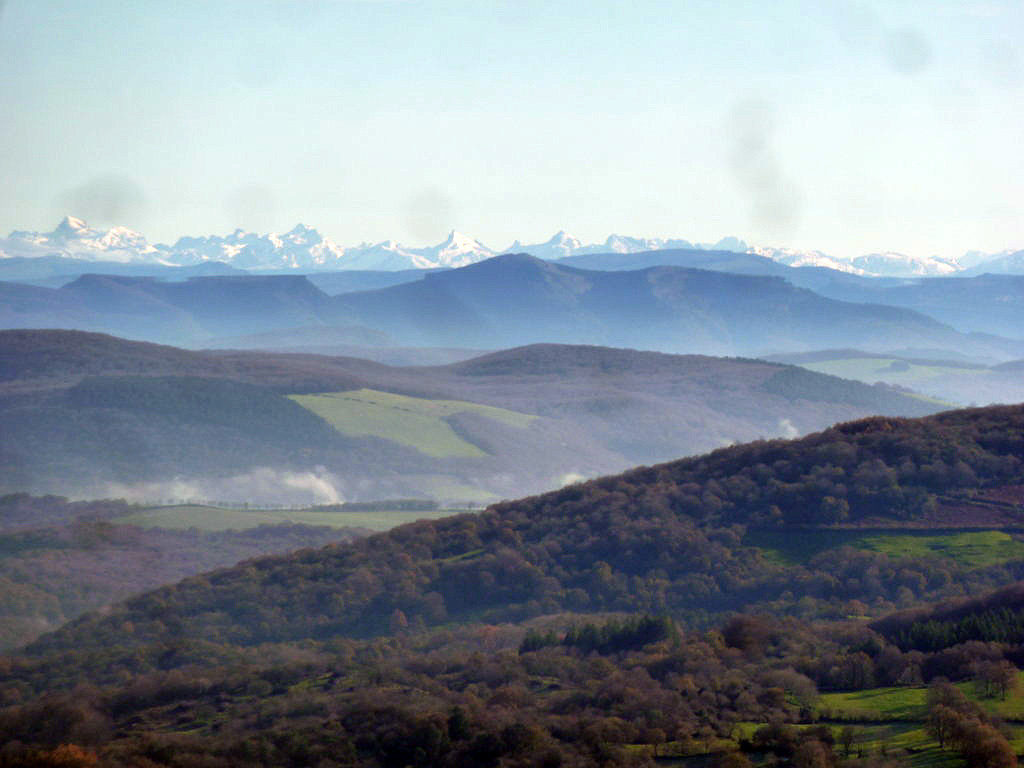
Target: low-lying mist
x=261 y=486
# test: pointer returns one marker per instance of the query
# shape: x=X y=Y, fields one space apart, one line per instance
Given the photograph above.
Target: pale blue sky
x=848 y=127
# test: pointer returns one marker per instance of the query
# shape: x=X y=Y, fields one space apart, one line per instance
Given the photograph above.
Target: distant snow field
x=304 y=248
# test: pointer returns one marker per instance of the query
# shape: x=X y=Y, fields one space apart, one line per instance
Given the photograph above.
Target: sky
x=847 y=127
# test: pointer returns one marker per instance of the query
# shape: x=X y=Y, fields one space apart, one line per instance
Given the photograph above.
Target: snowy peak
x=794 y=258
x=300 y=234
x=304 y=248
x=1007 y=262
x=71 y=227
x=892 y=264
x=624 y=244
x=728 y=243
x=887 y=264
x=561 y=237
x=560 y=245
x=458 y=250
x=73 y=238
x=301 y=247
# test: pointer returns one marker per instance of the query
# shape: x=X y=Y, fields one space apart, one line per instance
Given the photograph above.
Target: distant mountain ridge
x=301 y=248
x=305 y=248
x=517 y=299
x=509 y=300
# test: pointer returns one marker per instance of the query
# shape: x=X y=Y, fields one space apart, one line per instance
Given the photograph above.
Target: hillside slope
x=663 y=538
x=947 y=379
x=518 y=299
x=979 y=301
x=84 y=411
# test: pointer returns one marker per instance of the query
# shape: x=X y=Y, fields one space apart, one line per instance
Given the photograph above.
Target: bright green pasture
x=906 y=741
x=892 y=703
x=909 y=703
x=973 y=549
x=414 y=421
x=1010 y=708
x=893 y=718
x=222 y=519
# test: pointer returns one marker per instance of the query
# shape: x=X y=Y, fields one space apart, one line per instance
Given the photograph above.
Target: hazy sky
x=848 y=127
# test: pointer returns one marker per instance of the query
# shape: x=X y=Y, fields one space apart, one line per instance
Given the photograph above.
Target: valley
x=319 y=450
x=250 y=595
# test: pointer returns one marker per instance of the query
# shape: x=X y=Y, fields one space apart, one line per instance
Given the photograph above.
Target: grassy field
x=1010 y=708
x=907 y=741
x=886 y=721
x=222 y=519
x=413 y=421
x=895 y=703
x=887 y=369
x=973 y=549
x=903 y=710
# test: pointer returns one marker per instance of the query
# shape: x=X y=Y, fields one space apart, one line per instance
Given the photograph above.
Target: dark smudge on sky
x=428 y=213
x=105 y=200
x=906 y=50
x=774 y=199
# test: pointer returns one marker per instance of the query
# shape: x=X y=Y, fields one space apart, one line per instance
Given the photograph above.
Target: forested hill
x=81 y=411
x=995 y=617
x=862 y=471
x=663 y=538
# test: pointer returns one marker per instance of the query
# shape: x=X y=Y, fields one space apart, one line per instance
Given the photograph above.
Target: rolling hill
x=951 y=380
x=662 y=538
x=980 y=301
x=982 y=304
x=591 y=625
x=101 y=415
x=59 y=559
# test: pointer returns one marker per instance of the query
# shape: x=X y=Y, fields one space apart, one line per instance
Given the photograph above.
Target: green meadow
x=887 y=369
x=902 y=703
x=894 y=717
x=413 y=421
x=973 y=549
x=908 y=741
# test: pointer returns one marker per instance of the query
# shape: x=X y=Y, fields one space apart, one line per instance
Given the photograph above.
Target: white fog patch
x=788 y=430
x=261 y=486
x=569 y=478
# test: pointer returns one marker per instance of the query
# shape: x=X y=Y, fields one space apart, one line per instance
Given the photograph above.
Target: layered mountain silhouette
x=986 y=302
x=517 y=299
x=509 y=300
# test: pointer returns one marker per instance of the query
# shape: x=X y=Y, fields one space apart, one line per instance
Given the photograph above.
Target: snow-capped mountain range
x=300 y=248
x=73 y=238
x=304 y=248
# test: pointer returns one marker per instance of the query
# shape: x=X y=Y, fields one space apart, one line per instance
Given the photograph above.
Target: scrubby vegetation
x=616 y=622
x=611 y=691
x=59 y=559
